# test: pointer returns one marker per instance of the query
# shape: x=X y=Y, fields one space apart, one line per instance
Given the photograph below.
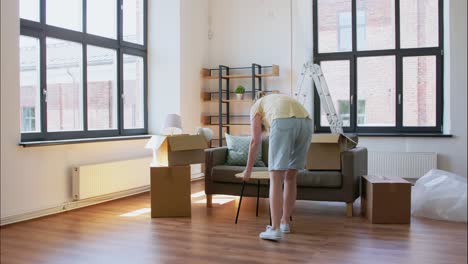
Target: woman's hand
x=247 y=174
x=256 y=140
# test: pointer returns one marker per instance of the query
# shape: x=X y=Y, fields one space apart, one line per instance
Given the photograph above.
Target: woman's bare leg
x=276 y=197
x=290 y=194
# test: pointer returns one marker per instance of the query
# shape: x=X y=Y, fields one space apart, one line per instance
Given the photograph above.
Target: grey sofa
x=340 y=186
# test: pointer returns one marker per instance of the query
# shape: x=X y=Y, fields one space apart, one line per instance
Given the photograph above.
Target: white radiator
x=106 y=178
x=401 y=164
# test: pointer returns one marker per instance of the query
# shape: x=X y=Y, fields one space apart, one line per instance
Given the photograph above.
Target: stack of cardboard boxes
x=170 y=182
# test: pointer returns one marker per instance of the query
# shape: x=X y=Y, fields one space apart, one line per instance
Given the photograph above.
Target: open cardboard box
x=181 y=150
x=325 y=151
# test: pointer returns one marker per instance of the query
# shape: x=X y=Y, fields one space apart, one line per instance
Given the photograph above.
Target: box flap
x=384 y=179
x=186 y=142
x=325 y=138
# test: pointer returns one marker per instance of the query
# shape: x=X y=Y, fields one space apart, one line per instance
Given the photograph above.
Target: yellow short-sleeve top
x=275 y=106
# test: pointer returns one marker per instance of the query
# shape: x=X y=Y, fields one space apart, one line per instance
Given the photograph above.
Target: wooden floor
x=322 y=234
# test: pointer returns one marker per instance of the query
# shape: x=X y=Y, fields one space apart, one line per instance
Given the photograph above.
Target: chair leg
x=209 y=200
x=269 y=206
x=349 y=209
x=258 y=194
x=240 y=201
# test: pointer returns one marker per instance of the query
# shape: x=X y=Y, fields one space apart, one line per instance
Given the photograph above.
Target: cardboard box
x=181 y=150
x=170 y=191
x=386 y=200
x=325 y=151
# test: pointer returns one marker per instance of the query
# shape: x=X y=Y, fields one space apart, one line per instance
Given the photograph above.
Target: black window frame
x=41 y=31
x=399 y=53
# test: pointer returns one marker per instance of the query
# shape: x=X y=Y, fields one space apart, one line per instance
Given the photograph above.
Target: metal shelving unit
x=224 y=74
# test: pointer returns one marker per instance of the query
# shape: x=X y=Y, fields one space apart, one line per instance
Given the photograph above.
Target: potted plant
x=240 y=90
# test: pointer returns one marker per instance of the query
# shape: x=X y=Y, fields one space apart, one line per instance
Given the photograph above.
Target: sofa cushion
x=321 y=179
x=238 y=151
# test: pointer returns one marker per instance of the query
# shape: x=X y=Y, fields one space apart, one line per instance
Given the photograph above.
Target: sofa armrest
x=353 y=166
x=213 y=157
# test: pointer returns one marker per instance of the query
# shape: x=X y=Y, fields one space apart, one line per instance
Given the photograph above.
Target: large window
x=383 y=64
x=82 y=69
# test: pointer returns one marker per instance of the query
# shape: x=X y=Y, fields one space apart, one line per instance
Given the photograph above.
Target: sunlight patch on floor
x=198 y=194
x=219 y=199
x=137 y=212
x=198 y=198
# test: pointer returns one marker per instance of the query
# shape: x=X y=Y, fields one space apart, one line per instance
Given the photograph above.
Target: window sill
x=80 y=140
x=403 y=135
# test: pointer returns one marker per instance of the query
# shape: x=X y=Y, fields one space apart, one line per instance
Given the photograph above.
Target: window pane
x=64 y=85
x=29 y=9
x=336 y=74
x=133 y=27
x=419 y=21
x=419 y=91
x=334 y=23
x=29 y=84
x=133 y=89
x=65 y=14
x=102 y=88
x=376 y=91
x=101 y=15
x=379 y=24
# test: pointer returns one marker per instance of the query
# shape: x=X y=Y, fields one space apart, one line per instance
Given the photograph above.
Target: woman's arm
x=256 y=140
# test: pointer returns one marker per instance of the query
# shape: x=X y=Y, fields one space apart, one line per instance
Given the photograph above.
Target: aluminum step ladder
x=314 y=72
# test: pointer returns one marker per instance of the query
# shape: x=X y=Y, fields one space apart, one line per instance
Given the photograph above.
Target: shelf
x=233 y=116
x=230 y=101
x=240 y=76
x=214 y=143
x=235 y=100
x=207 y=120
x=246 y=92
x=207 y=96
x=224 y=94
x=206 y=74
x=229 y=125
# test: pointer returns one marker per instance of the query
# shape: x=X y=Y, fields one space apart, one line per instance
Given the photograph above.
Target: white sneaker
x=271 y=234
x=285 y=228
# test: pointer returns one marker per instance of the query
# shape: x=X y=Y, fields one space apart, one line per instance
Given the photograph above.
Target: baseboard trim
x=71 y=206
x=197 y=176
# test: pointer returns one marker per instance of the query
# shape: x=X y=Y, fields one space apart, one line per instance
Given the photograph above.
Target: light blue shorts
x=289 y=142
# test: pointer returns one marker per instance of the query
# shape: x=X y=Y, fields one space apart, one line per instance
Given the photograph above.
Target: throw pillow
x=238 y=151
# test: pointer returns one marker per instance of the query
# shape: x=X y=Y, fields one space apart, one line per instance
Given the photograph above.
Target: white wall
x=260 y=31
x=194 y=57
x=252 y=31
x=177 y=51
x=163 y=61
